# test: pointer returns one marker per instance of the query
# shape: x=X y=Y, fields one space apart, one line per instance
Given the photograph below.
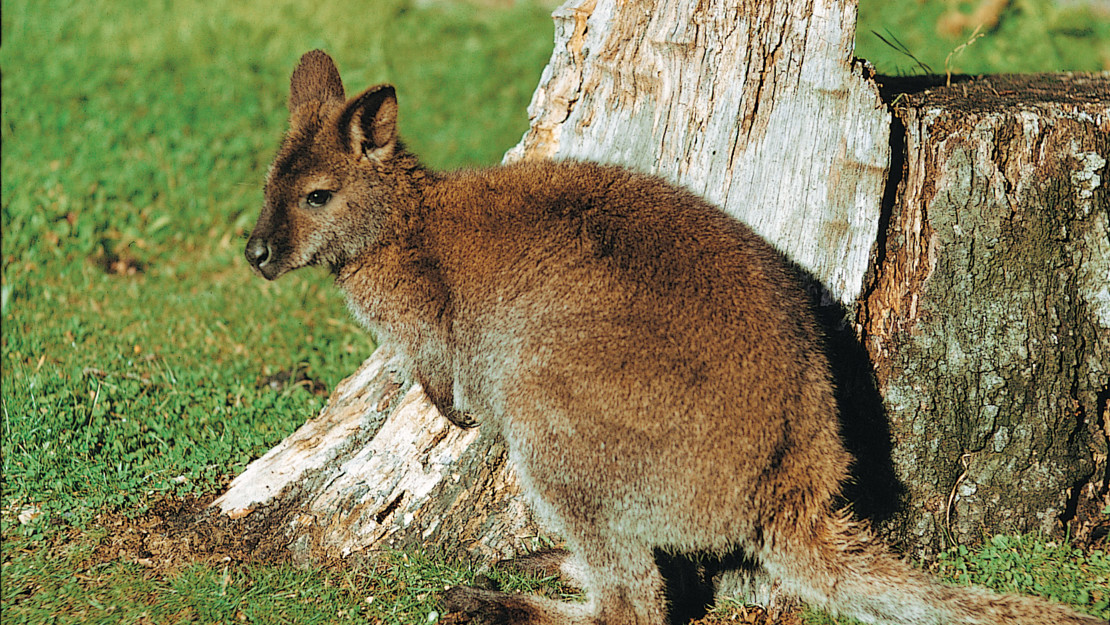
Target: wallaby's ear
x=315 y=78
x=369 y=123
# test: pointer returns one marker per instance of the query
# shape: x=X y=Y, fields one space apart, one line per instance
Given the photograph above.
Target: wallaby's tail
x=848 y=572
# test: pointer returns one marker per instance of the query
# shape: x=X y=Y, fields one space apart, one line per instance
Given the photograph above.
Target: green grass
x=1031 y=36
x=1027 y=564
x=398 y=587
x=135 y=139
x=66 y=582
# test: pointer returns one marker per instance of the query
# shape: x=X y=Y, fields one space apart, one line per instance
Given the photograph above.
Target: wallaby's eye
x=318 y=198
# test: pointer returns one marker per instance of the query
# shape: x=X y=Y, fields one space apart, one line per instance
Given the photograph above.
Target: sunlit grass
x=1029 y=36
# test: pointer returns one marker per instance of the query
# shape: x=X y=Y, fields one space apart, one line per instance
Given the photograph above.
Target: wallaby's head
x=336 y=179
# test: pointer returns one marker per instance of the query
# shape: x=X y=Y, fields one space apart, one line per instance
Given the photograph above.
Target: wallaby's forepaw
x=464 y=420
x=466 y=604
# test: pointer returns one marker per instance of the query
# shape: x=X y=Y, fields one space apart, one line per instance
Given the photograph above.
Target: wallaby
x=652 y=364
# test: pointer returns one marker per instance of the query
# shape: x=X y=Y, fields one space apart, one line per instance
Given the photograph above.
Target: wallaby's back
x=635 y=317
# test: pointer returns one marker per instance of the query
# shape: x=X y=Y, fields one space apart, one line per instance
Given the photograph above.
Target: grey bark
x=987 y=318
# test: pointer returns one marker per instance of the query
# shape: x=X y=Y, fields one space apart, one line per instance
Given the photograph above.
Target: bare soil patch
x=178 y=532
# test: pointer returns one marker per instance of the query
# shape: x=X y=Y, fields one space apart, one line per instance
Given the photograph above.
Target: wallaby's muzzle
x=259 y=255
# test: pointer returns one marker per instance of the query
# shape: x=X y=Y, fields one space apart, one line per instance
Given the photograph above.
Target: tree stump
x=760 y=108
x=987 y=318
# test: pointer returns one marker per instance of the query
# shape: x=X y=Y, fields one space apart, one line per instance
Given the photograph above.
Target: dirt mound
x=178 y=532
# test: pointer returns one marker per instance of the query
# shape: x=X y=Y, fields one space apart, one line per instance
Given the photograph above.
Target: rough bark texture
x=988 y=316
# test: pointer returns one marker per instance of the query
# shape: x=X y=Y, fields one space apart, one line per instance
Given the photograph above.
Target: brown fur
x=652 y=363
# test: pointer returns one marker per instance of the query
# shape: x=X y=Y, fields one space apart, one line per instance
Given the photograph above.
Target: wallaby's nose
x=258 y=253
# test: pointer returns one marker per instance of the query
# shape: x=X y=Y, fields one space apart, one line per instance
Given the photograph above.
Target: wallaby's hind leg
x=750 y=583
x=493 y=607
x=623 y=587
x=747 y=582
x=548 y=563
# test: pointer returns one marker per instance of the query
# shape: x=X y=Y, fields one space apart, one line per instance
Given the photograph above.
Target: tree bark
x=987 y=318
x=759 y=107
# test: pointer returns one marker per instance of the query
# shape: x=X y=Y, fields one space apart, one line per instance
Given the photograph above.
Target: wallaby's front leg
x=440 y=390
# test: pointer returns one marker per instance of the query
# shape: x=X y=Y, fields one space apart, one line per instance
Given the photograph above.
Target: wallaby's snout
x=267 y=250
x=259 y=255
